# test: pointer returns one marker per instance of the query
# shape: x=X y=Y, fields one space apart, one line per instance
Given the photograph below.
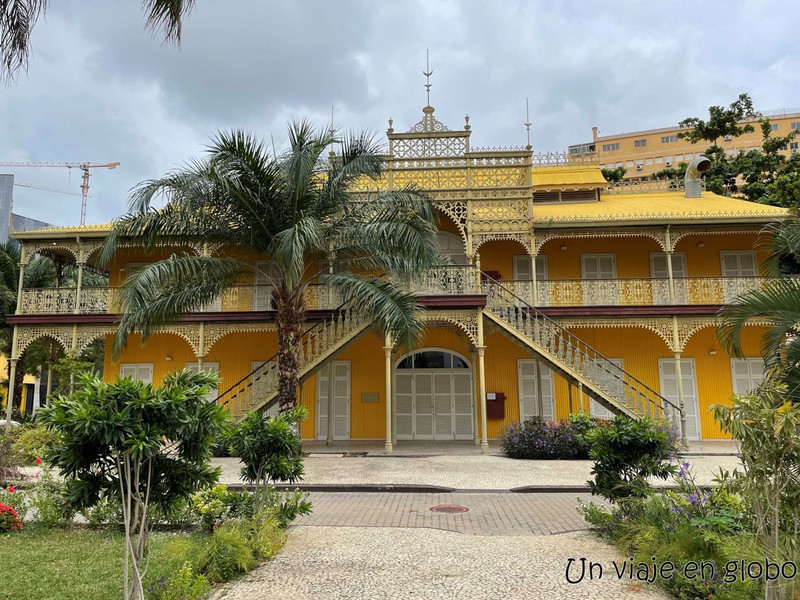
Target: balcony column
x=534 y=285
x=482 y=383
x=679 y=377
x=22 y=263
x=387 y=354
x=476 y=403
x=477 y=272
x=202 y=354
x=81 y=263
x=11 y=376
x=671 y=279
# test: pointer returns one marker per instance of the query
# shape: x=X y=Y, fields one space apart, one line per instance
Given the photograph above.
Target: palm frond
x=291 y=247
x=781 y=240
x=161 y=291
x=17 y=19
x=777 y=303
x=167 y=15
x=394 y=311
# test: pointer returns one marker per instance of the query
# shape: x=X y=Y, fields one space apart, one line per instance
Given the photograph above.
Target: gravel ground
x=461 y=472
x=336 y=563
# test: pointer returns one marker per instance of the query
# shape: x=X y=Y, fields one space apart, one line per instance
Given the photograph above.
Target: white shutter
x=140 y=371
x=341 y=400
x=658 y=270
x=529 y=390
x=403 y=401
x=746 y=374
x=443 y=405
x=669 y=389
x=523 y=270
x=423 y=406
x=603 y=267
x=738 y=264
x=463 y=405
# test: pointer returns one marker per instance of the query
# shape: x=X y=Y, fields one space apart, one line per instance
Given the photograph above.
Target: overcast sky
x=101 y=89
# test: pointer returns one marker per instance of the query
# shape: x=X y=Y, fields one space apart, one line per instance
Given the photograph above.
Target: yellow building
x=562 y=296
x=643 y=153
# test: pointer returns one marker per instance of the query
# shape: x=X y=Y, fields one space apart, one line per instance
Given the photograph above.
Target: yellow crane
x=84 y=166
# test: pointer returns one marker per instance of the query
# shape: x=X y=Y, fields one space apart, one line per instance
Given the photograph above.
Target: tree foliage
x=141 y=445
x=721 y=121
x=19 y=17
x=292 y=209
x=614 y=175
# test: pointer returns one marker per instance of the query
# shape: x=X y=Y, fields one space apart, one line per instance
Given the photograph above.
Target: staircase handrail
x=578 y=342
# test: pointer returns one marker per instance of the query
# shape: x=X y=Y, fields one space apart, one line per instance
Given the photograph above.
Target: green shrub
x=8 y=460
x=287 y=506
x=9 y=519
x=626 y=454
x=49 y=502
x=537 y=439
x=263 y=533
x=32 y=441
x=226 y=554
x=106 y=511
x=581 y=424
x=218 y=504
x=184 y=585
x=16 y=498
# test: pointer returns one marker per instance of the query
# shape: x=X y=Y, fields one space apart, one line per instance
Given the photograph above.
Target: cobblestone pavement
x=459 y=471
x=488 y=514
x=372 y=563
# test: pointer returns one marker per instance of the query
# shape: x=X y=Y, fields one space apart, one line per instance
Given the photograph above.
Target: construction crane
x=45 y=188
x=84 y=166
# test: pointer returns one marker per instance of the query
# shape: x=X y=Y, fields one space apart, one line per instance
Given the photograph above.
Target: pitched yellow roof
x=655 y=208
x=94 y=230
x=567 y=177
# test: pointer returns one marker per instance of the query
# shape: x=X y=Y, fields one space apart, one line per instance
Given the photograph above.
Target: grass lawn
x=79 y=563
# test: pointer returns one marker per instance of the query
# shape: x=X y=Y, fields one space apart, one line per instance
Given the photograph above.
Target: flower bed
x=536 y=439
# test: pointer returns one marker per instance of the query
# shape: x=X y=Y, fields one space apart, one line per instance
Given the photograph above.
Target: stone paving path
x=488 y=514
x=374 y=563
x=389 y=545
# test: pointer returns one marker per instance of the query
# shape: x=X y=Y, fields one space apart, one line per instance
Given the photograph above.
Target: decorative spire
x=428 y=72
x=528 y=122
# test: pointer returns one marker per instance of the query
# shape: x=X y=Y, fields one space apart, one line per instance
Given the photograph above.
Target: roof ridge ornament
x=429 y=123
x=428 y=72
x=528 y=123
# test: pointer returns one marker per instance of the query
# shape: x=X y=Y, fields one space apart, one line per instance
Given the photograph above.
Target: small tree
x=721 y=122
x=141 y=445
x=626 y=454
x=614 y=175
x=270 y=449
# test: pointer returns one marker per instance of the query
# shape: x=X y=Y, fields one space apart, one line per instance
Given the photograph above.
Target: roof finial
x=528 y=122
x=332 y=129
x=427 y=72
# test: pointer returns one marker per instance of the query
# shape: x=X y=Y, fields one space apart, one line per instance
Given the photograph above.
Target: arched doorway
x=433 y=396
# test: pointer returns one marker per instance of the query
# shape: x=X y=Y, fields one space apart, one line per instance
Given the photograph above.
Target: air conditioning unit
x=794 y=150
x=728 y=138
x=638 y=167
x=668 y=163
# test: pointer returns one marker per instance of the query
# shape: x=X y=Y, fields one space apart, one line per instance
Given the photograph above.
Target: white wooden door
x=735 y=265
x=462 y=406
x=668 y=382
x=266 y=273
x=618 y=391
x=601 y=267
x=141 y=371
x=746 y=374
x=659 y=271
x=341 y=400
x=209 y=367
x=433 y=405
x=531 y=388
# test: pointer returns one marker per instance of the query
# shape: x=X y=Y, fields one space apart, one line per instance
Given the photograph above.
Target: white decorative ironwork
x=29 y=333
x=561 y=159
x=216 y=331
x=648 y=186
x=465 y=320
x=450 y=280
x=47 y=301
x=601 y=378
x=542 y=237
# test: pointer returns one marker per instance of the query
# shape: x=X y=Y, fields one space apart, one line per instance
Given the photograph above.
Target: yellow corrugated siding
x=501 y=376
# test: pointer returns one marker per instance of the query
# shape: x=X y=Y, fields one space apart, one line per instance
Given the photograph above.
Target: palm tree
x=18 y=18
x=777 y=302
x=292 y=208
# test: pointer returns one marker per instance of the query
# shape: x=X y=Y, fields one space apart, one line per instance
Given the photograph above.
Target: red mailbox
x=495 y=405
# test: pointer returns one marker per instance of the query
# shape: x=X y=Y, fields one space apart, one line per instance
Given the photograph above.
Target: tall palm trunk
x=291 y=315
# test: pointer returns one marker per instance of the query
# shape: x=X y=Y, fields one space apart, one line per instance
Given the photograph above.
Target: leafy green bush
x=106 y=511
x=32 y=441
x=9 y=519
x=15 y=498
x=626 y=454
x=582 y=423
x=218 y=504
x=226 y=554
x=49 y=502
x=263 y=533
x=287 y=506
x=8 y=460
x=184 y=585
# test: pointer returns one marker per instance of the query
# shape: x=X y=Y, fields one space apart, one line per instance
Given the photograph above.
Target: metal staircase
x=258 y=390
x=602 y=380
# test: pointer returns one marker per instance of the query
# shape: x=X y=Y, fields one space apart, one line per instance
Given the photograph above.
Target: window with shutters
x=140 y=371
x=746 y=374
x=209 y=367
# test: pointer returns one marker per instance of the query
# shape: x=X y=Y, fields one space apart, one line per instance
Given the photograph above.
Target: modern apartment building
x=643 y=153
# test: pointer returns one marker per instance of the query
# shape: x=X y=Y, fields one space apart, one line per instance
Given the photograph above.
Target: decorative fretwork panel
x=47 y=301
x=26 y=334
x=429 y=147
x=493 y=177
x=432 y=179
x=446 y=281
